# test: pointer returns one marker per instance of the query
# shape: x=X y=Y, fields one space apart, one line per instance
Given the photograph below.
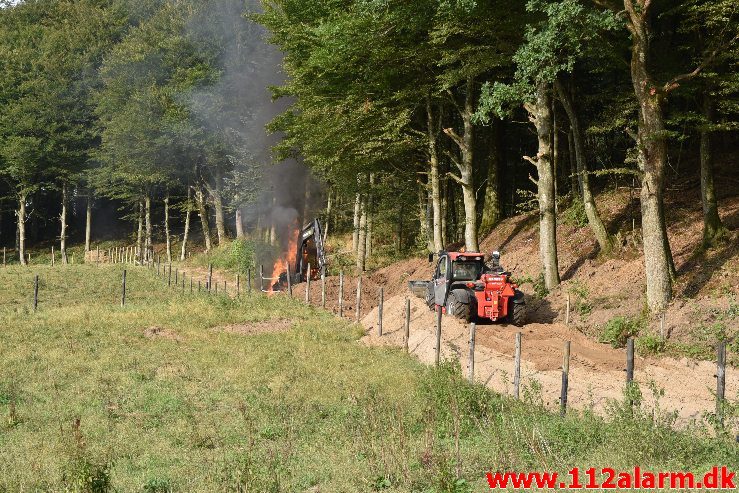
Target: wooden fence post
x=379 y=312
x=169 y=277
x=35 y=292
x=248 y=281
x=323 y=290
x=261 y=277
x=176 y=276
x=190 y=284
x=52 y=255
x=358 y=310
x=341 y=293
x=630 y=360
x=123 y=294
x=565 y=379
x=4 y=257
x=225 y=287
x=720 y=381
x=199 y=286
x=238 y=285
x=471 y=364
x=517 y=367
x=567 y=313
x=307 y=287
x=289 y=282
x=437 y=348
x=210 y=277
x=407 y=332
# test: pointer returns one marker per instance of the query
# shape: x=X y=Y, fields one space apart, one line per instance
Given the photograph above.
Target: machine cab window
x=441 y=267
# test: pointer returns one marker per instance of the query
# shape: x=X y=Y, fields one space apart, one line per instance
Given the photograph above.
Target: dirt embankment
x=600 y=288
x=596 y=370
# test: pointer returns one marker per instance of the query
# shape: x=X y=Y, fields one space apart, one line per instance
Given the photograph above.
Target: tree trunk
x=167 y=235
x=540 y=114
x=357 y=217
x=574 y=177
x=578 y=139
x=327 y=221
x=203 y=212
x=713 y=229
x=140 y=232
x=423 y=205
x=651 y=159
x=88 y=222
x=239 y=220
x=432 y=133
x=369 y=209
x=188 y=209
x=22 y=196
x=362 y=241
x=555 y=153
x=63 y=220
x=218 y=206
x=465 y=167
x=148 y=243
x=491 y=209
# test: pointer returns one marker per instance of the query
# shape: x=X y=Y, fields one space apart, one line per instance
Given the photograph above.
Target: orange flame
x=286 y=259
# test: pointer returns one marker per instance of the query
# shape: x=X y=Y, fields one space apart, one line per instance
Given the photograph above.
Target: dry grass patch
x=160 y=332
x=261 y=327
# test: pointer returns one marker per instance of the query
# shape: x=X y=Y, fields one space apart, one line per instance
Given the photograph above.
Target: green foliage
x=651 y=344
x=575 y=215
x=238 y=255
x=619 y=329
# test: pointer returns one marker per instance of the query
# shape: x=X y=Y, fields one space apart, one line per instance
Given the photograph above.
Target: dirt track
x=596 y=370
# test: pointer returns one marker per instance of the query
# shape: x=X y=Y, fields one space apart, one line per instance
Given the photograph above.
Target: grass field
x=167 y=394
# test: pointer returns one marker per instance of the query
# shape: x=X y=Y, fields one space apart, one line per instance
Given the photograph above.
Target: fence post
x=248 y=281
x=307 y=287
x=406 y=334
x=323 y=290
x=52 y=255
x=238 y=285
x=289 y=282
x=358 y=311
x=169 y=276
x=341 y=293
x=98 y=254
x=4 y=256
x=123 y=294
x=565 y=379
x=199 y=286
x=517 y=367
x=379 y=312
x=630 y=360
x=567 y=313
x=437 y=349
x=261 y=277
x=210 y=277
x=473 y=327
x=225 y=287
x=35 y=292
x=720 y=381
x=176 y=276
x=190 y=284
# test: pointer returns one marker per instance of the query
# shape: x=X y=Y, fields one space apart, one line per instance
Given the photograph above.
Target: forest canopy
x=409 y=125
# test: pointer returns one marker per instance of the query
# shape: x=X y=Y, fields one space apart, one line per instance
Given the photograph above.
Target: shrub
x=618 y=330
x=575 y=214
x=651 y=344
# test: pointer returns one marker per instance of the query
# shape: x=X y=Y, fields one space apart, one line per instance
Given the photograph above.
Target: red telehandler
x=464 y=287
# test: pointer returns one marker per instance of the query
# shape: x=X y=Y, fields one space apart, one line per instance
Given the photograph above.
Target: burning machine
x=309 y=252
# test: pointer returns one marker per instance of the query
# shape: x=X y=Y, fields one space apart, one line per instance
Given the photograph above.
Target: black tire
x=430 y=297
x=456 y=307
x=518 y=315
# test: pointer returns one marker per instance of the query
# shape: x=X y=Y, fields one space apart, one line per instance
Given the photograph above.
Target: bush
x=618 y=330
x=575 y=215
x=238 y=255
x=651 y=344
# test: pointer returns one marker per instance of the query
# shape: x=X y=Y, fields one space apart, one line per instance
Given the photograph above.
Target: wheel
x=518 y=315
x=430 y=297
x=456 y=307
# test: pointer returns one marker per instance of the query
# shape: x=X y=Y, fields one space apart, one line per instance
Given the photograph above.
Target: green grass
x=89 y=403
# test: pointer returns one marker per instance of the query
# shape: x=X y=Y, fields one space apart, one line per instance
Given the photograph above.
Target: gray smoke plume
x=236 y=109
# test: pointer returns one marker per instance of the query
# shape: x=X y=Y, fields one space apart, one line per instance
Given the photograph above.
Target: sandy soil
x=596 y=370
